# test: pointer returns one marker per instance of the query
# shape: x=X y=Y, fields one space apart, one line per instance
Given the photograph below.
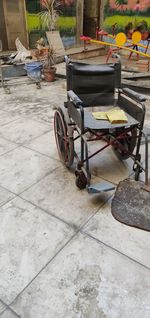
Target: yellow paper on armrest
x=100 y=115
x=117 y=116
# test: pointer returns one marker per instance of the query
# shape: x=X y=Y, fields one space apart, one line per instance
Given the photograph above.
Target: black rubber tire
x=64 y=142
x=128 y=144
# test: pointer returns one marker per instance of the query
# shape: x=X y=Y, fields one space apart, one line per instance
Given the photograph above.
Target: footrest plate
x=103 y=186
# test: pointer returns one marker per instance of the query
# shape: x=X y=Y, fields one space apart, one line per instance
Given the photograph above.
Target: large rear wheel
x=128 y=142
x=64 y=142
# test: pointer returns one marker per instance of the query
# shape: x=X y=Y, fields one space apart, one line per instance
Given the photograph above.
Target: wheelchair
x=98 y=86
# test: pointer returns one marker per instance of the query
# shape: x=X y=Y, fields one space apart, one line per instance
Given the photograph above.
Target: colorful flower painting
x=125 y=14
x=66 y=21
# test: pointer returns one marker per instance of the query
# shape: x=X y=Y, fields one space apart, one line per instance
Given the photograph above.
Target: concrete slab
x=23 y=167
x=6 y=118
x=106 y=165
x=29 y=239
x=5 y=196
x=58 y=194
x=45 y=144
x=46 y=115
x=9 y=314
x=2 y=307
x=23 y=130
x=127 y=240
x=6 y=146
x=87 y=279
x=26 y=99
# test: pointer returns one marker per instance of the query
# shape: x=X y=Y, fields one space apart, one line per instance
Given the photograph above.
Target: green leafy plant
x=50 y=60
x=50 y=13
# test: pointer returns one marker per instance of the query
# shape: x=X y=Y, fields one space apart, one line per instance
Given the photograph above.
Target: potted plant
x=49 y=17
x=49 y=69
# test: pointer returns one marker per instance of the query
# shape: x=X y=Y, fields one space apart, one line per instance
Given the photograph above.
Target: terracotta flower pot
x=49 y=73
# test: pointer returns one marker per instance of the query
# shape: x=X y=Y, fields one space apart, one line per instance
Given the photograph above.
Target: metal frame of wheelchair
x=73 y=121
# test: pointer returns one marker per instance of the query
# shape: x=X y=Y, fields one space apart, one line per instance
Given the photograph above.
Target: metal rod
x=146 y=157
x=120 y=47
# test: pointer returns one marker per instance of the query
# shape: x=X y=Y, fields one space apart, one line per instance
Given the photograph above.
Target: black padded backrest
x=94 y=84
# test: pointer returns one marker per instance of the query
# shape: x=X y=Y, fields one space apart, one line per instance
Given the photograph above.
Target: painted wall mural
x=66 y=21
x=127 y=15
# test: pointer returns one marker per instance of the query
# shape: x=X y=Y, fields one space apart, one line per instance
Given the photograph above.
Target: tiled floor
x=61 y=252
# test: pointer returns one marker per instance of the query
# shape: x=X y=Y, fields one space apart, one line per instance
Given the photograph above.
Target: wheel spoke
x=64 y=144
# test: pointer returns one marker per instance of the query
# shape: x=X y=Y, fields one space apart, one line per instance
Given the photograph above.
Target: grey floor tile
x=23 y=167
x=128 y=240
x=9 y=314
x=2 y=307
x=23 y=130
x=29 y=238
x=106 y=165
x=6 y=146
x=7 y=117
x=45 y=144
x=45 y=115
x=58 y=194
x=5 y=196
x=87 y=280
x=51 y=95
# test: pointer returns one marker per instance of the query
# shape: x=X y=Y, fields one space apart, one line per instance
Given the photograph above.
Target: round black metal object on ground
x=131 y=204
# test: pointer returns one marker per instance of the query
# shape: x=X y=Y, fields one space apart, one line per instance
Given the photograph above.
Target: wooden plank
x=55 y=41
x=14 y=12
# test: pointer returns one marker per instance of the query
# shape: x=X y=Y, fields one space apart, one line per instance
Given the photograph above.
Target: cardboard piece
x=55 y=41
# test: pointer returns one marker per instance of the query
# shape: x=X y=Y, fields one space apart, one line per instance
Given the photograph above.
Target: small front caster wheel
x=81 y=180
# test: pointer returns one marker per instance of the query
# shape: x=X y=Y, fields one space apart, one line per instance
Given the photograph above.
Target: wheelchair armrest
x=76 y=100
x=137 y=97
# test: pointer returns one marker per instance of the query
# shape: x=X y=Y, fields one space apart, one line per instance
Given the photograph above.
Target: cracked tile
x=23 y=130
x=5 y=195
x=9 y=314
x=88 y=280
x=29 y=238
x=45 y=144
x=7 y=117
x=58 y=194
x=128 y=240
x=6 y=146
x=23 y=167
x=2 y=307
